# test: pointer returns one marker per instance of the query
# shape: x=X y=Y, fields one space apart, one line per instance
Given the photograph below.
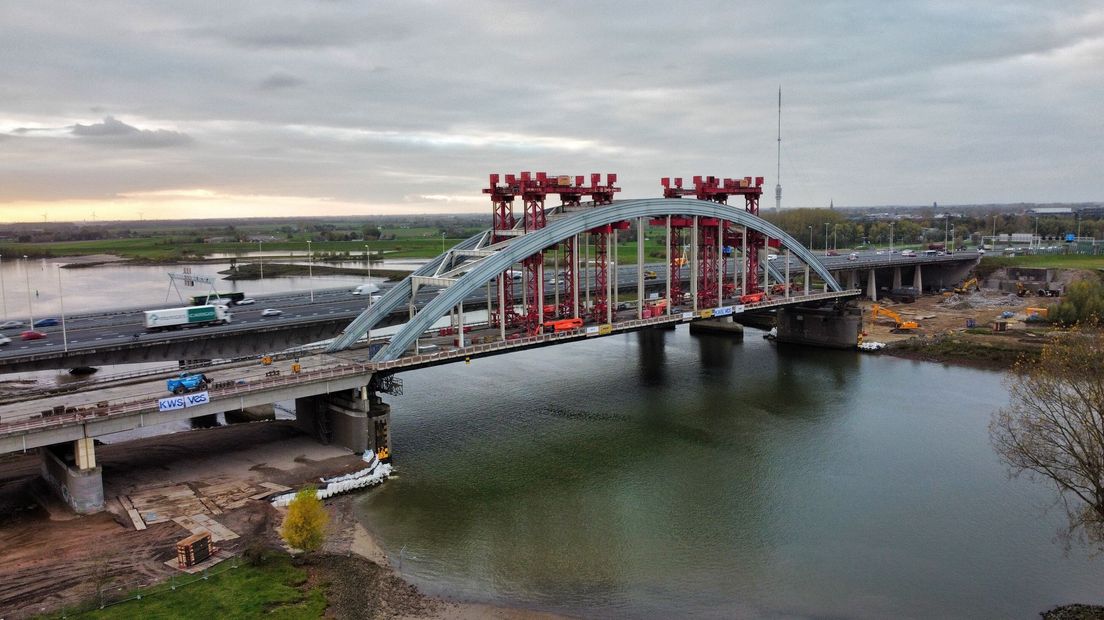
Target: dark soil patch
x=358 y=588
x=1074 y=612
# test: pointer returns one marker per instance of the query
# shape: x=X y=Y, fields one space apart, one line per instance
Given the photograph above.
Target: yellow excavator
x=900 y=325
x=965 y=287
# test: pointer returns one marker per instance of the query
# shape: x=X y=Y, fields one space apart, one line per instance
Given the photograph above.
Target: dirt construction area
x=173 y=484
x=938 y=314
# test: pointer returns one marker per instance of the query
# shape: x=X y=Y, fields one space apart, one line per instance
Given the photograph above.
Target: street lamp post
x=260 y=262
x=442 y=242
x=310 y=270
x=4 y=295
x=810 y=236
x=835 y=229
x=368 y=254
x=891 y=237
x=826 y=238
x=61 y=297
x=27 y=272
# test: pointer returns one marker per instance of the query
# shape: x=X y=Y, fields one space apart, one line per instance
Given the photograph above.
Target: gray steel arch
x=392 y=300
x=585 y=220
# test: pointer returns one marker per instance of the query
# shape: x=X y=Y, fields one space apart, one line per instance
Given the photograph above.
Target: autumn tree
x=1081 y=302
x=305 y=524
x=1053 y=428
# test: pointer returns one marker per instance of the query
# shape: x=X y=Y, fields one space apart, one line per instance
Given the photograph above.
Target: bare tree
x=1054 y=427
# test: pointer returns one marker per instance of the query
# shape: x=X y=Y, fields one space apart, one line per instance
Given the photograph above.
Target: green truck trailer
x=176 y=318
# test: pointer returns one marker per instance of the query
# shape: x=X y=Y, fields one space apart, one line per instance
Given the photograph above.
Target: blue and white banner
x=686 y=316
x=168 y=404
x=722 y=311
x=199 y=398
x=185 y=400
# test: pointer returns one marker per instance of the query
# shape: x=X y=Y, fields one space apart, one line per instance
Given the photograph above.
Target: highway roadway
x=94 y=329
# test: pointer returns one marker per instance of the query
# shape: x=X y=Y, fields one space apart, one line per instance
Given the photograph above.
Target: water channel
x=669 y=475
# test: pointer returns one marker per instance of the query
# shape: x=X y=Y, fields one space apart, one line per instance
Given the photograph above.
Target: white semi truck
x=175 y=318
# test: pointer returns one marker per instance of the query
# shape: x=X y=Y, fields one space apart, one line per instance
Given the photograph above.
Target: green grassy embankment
x=978 y=347
x=1044 y=261
x=273 y=588
x=408 y=243
x=252 y=271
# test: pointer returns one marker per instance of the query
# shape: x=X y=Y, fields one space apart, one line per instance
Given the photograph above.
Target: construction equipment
x=965 y=287
x=900 y=325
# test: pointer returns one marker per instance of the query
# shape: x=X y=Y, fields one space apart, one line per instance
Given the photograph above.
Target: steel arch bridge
x=476 y=261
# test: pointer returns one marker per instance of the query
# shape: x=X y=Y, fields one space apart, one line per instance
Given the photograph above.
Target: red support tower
x=502 y=209
x=533 y=190
x=718 y=190
x=602 y=195
x=708 y=295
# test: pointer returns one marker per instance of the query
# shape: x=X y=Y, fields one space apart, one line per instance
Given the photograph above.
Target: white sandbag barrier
x=372 y=475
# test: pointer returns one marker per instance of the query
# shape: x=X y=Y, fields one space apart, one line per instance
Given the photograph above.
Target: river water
x=114 y=286
x=668 y=475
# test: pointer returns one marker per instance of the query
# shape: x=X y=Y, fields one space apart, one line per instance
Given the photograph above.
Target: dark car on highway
x=45 y=323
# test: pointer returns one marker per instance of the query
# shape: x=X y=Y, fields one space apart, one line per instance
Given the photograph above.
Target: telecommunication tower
x=778 y=168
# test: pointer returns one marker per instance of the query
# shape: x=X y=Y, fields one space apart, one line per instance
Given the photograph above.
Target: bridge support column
x=339 y=418
x=917 y=280
x=806 y=279
x=836 y=328
x=75 y=476
x=354 y=419
x=871 y=286
x=896 y=277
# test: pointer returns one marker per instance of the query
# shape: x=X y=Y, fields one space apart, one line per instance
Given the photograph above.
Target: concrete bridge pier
x=355 y=419
x=896 y=277
x=917 y=279
x=72 y=472
x=871 y=286
x=835 y=327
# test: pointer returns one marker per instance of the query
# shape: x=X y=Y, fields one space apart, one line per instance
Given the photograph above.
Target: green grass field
x=274 y=589
x=1046 y=261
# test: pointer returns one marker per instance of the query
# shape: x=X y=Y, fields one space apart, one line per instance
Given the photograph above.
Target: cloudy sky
x=215 y=109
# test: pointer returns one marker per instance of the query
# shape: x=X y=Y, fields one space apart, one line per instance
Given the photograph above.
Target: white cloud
x=411 y=106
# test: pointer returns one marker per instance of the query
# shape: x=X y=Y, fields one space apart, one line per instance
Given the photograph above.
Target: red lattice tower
x=567 y=253
x=533 y=192
x=602 y=195
x=718 y=190
x=502 y=209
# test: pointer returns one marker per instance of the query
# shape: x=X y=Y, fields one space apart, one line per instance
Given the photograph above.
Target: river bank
x=215 y=471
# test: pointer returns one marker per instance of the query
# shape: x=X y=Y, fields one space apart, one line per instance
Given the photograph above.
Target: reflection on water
x=730 y=480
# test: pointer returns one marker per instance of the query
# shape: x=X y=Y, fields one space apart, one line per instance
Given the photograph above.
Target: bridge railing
x=419 y=359
x=148 y=403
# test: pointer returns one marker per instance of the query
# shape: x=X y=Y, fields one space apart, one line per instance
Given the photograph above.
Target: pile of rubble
x=978 y=300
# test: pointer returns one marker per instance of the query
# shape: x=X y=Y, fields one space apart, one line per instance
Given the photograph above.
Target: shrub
x=305 y=524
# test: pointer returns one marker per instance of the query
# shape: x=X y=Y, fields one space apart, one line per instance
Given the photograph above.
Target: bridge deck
x=28 y=425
